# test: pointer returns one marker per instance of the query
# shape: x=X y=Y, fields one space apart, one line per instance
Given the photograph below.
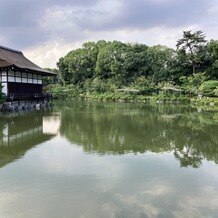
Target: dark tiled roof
x=10 y=57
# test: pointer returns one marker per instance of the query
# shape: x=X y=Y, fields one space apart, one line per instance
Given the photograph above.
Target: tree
x=192 y=83
x=135 y=63
x=144 y=84
x=119 y=64
x=62 y=65
x=211 y=50
x=159 y=63
x=52 y=79
x=79 y=64
x=209 y=88
x=110 y=61
x=192 y=44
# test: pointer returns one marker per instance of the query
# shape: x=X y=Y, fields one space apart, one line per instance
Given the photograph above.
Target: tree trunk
x=193 y=69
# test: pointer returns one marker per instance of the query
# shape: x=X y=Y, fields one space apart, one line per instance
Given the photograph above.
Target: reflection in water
x=51 y=124
x=20 y=132
x=89 y=169
x=119 y=129
x=116 y=129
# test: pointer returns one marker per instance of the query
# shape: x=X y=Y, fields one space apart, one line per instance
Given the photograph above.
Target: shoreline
x=205 y=102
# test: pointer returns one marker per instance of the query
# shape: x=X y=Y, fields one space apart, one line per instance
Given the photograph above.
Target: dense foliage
x=107 y=67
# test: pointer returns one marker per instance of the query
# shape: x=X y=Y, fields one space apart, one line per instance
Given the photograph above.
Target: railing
x=27 y=96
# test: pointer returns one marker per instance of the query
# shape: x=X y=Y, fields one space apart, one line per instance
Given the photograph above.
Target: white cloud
x=48 y=30
x=196 y=205
x=48 y=54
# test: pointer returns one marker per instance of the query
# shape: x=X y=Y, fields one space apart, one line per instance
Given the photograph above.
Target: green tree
x=144 y=84
x=62 y=65
x=79 y=65
x=211 y=63
x=160 y=60
x=116 y=64
x=191 y=84
x=52 y=79
x=192 y=44
x=110 y=61
x=216 y=92
x=135 y=63
x=209 y=87
x=180 y=66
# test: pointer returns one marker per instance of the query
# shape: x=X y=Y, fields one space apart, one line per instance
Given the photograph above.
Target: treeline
x=102 y=66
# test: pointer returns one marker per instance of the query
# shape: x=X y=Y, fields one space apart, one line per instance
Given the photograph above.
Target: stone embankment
x=24 y=105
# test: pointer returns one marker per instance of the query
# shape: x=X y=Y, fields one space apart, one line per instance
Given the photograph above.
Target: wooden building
x=21 y=79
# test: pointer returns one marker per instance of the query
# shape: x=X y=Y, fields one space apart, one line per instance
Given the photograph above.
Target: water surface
x=109 y=160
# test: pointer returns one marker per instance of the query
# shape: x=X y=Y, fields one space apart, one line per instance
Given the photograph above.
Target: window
x=30 y=78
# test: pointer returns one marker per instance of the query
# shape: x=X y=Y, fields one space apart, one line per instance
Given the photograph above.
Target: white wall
x=5 y=88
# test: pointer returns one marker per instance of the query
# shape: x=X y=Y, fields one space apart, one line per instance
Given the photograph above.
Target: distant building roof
x=128 y=90
x=10 y=57
x=172 y=89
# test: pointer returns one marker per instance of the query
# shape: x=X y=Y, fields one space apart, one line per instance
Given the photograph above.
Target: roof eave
x=41 y=72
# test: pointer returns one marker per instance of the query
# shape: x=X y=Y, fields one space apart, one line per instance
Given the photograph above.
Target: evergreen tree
x=192 y=44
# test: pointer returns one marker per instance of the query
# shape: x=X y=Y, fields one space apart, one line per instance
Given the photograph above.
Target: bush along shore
x=70 y=92
x=117 y=71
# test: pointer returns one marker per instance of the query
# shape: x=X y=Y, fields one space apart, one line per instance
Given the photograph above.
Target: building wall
x=20 y=77
x=5 y=88
x=26 y=82
x=24 y=88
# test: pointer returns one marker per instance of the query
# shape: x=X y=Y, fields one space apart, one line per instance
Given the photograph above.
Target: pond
x=84 y=159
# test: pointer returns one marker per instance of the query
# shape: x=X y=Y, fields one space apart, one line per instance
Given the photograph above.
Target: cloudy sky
x=46 y=30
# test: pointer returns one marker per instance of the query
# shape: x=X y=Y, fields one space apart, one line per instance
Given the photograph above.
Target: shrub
x=216 y=103
x=216 y=92
x=208 y=88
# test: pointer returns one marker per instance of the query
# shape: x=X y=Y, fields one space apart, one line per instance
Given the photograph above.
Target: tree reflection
x=128 y=128
x=188 y=157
